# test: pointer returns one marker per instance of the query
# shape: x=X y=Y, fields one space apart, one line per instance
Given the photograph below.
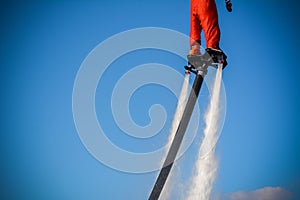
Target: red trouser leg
x=206 y=11
x=195 y=26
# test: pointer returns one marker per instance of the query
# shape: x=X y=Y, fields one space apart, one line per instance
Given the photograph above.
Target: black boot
x=218 y=56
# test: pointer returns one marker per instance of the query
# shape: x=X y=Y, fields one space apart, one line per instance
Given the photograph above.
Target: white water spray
x=175 y=123
x=206 y=164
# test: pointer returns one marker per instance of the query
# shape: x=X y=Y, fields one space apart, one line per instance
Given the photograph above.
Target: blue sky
x=43 y=44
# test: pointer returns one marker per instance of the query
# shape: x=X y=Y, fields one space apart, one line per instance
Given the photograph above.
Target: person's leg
x=208 y=16
x=195 y=29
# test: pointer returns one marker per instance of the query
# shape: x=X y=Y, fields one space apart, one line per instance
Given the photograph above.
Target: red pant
x=204 y=16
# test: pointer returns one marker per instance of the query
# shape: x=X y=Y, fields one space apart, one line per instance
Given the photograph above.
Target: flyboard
x=197 y=64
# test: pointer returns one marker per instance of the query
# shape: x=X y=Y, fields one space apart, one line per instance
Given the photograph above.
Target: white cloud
x=266 y=193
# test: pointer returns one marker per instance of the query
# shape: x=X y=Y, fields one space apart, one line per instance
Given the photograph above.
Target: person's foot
x=217 y=55
x=195 y=50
